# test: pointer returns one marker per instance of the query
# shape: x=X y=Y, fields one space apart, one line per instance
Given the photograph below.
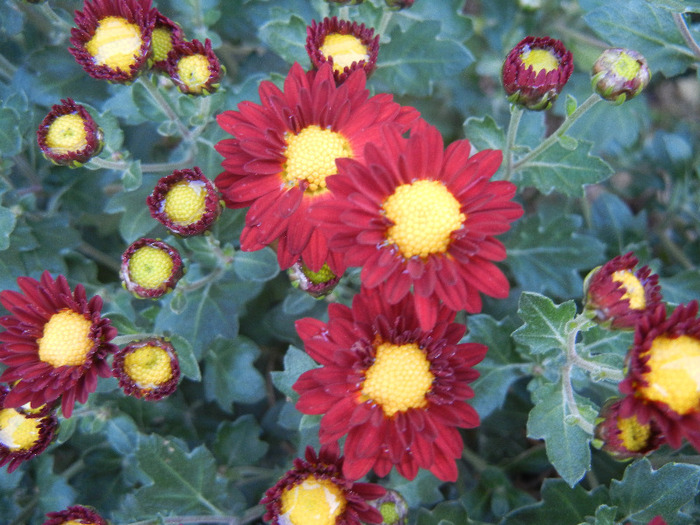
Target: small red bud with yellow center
x=147 y=369
x=625 y=437
x=620 y=74
x=194 y=68
x=150 y=268
x=77 y=514
x=535 y=71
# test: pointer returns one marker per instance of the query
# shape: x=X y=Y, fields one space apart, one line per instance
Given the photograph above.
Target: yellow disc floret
x=161 y=43
x=66 y=134
x=311 y=156
x=17 y=431
x=148 y=366
x=634 y=289
x=634 y=436
x=626 y=66
x=345 y=49
x=116 y=43
x=399 y=378
x=674 y=376
x=312 y=502
x=185 y=202
x=424 y=214
x=150 y=267
x=539 y=59
x=66 y=339
x=194 y=72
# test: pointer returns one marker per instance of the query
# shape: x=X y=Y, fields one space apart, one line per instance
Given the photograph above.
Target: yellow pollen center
x=116 y=43
x=634 y=289
x=312 y=502
x=66 y=339
x=150 y=267
x=18 y=432
x=674 y=376
x=311 y=157
x=424 y=214
x=185 y=202
x=66 y=134
x=626 y=66
x=74 y=522
x=148 y=366
x=193 y=71
x=399 y=378
x=633 y=435
x=345 y=49
x=539 y=59
x=161 y=43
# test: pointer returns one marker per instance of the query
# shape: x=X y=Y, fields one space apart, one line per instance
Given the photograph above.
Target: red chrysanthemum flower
x=345 y=45
x=55 y=343
x=285 y=148
x=315 y=492
x=185 y=202
x=112 y=40
x=535 y=71
x=166 y=35
x=194 y=68
x=150 y=268
x=619 y=295
x=23 y=435
x=75 y=515
x=148 y=369
x=625 y=437
x=397 y=390
x=663 y=378
x=413 y=215
x=69 y=135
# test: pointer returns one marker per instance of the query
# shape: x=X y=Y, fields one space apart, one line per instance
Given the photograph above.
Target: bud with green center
x=392 y=507
x=316 y=284
x=399 y=4
x=166 y=35
x=620 y=74
x=150 y=268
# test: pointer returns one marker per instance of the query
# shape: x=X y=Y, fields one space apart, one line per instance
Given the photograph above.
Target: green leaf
x=10 y=138
x=567 y=444
x=682 y=287
x=238 y=443
x=615 y=224
x=423 y=490
x=132 y=177
x=260 y=265
x=407 y=65
x=56 y=492
x=296 y=362
x=564 y=170
x=545 y=323
x=604 y=515
x=7 y=225
x=189 y=367
x=644 y=493
x=230 y=375
x=678 y=6
x=484 y=133
x=287 y=38
x=646 y=28
x=184 y=482
x=560 y=505
x=547 y=255
x=445 y=513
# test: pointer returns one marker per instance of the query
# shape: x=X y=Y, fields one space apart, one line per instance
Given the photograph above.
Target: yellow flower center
x=390 y=513
x=345 y=49
x=311 y=156
x=634 y=289
x=148 y=366
x=322 y=276
x=539 y=59
x=116 y=43
x=161 y=43
x=633 y=435
x=193 y=71
x=399 y=378
x=674 y=377
x=185 y=202
x=66 y=134
x=424 y=214
x=312 y=502
x=66 y=339
x=150 y=267
x=81 y=522
x=18 y=432
x=626 y=66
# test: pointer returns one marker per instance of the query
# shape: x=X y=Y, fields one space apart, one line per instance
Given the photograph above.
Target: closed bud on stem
x=620 y=74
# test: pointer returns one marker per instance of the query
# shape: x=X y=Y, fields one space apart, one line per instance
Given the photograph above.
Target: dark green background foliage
x=622 y=178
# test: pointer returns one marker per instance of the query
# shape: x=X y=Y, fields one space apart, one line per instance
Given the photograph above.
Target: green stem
x=165 y=106
x=384 y=22
x=249 y=516
x=128 y=338
x=554 y=137
x=344 y=13
x=7 y=68
x=680 y=22
x=56 y=21
x=474 y=459
x=93 y=253
x=153 y=167
x=516 y=113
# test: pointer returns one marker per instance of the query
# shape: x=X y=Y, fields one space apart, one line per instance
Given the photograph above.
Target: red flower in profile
x=112 y=40
x=55 y=343
x=396 y=389
x=77 y=514
x=285 y=147
x=316 y=491
x=663 y=379
x=345 y=45
x=619 y=295
x=625 y=437
x=415 y=216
